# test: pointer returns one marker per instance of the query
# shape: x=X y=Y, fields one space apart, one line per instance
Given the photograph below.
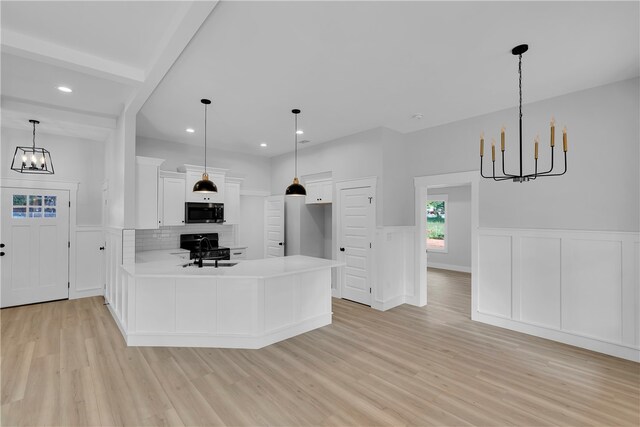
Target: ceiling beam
x=45 y=51
x=177 y=36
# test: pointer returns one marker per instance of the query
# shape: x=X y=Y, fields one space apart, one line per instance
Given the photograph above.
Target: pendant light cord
x=296 y=142
x=520 y=118
x=205 y=138
x=34 y=137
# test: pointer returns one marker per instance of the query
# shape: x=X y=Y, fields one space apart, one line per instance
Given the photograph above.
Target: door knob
x=1 y=253
x=341 y=249
x=281 y=243
x=1 y=245
x=101 y=248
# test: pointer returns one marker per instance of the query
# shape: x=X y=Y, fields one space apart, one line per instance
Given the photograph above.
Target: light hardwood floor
x=65 y=363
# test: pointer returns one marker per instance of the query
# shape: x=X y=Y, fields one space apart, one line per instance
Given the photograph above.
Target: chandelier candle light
x=521 y=177
x=32 y=159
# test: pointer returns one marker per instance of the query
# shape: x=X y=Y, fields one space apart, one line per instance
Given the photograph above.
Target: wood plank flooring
x=65 y=363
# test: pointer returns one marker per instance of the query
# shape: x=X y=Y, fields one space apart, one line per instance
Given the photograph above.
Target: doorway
x=423 y=186
x=35 y=255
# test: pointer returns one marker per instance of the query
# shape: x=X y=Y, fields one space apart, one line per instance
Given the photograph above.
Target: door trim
x=372 y=182
x=72 y=188
x=422 y=183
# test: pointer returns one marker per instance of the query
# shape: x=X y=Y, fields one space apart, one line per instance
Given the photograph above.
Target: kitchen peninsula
x=252 y=304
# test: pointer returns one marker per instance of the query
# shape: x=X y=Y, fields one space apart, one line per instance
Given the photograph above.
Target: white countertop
x=169 y=263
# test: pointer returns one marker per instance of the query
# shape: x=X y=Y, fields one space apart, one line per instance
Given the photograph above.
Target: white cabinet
x=232 y=200
x=193 y=174
x=147 y=192
x=238 y=253
x=172 y=198
x=319 y=192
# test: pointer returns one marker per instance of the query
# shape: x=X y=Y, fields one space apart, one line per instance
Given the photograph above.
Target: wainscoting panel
x=592 y=288
x=494 y=292
x=577 y=287
x=540 y=287
x=393 y=283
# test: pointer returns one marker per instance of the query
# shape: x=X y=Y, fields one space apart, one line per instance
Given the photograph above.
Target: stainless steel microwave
x=198 y=212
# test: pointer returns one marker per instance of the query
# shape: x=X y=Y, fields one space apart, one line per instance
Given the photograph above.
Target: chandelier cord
x=34 y=137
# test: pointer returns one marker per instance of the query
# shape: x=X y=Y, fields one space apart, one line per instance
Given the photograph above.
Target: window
x=32 y=206
x=436 y=211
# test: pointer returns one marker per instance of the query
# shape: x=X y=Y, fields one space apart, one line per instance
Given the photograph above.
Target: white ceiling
x=103 y=50
x=352 y=66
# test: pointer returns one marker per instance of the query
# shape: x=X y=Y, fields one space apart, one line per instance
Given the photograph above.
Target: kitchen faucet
x=200 y=242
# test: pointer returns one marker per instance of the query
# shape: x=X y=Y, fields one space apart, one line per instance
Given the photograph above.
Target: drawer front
x=238 y=254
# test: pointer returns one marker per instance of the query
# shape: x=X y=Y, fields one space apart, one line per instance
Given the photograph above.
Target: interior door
x=35 y=256
x=274 y=226
x=355 y=238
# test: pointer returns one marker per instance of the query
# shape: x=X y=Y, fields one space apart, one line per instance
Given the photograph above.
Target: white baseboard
x=612 y=349
x=85 y=293
x=460 y=268
x=389 y=304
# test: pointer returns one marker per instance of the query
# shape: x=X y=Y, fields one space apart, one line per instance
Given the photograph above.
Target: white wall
x=458 y=214
x=601 y=188
x=74 y=159
x=353 y=156
x=255 y=170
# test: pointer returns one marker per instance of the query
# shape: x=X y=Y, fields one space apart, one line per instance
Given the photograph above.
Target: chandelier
x=521 y=177
x=32 y=159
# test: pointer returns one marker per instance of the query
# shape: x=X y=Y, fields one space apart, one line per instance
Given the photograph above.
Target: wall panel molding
x=572 y=286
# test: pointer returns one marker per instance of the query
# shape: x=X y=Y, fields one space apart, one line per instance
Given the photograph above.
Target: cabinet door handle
x=1 y=253
x=281 y=243
x=341 y=249
x=1 y=245
x=101 y=248
x=237 y=253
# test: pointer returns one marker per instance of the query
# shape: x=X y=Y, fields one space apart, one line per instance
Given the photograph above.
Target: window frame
x=436 y=198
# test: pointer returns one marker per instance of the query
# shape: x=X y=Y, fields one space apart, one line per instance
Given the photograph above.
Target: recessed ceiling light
x=417 y=116
x=264 y=144
x=64 y=89
x=299 y=132
x=190 y=130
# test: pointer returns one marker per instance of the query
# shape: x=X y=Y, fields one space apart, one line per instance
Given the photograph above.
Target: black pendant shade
x=34 y=160
x=296 y=189
x=205 y=185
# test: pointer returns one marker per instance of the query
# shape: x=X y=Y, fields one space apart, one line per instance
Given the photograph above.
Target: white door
x=35 y=234
x=274 y=226
x=355 y=238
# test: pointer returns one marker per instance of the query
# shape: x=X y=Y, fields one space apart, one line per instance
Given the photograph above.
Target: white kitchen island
x=255 y=303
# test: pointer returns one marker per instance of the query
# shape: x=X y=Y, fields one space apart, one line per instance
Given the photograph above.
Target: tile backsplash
x=169 y=237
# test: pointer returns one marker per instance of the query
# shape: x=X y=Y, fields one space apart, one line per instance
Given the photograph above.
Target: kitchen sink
x=211 y=264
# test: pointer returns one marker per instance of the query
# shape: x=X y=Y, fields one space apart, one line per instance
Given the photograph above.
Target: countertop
x=169 y=263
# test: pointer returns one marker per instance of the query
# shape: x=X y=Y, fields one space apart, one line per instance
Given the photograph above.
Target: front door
x=274 y=226
x=35 y=235
x=355 y=238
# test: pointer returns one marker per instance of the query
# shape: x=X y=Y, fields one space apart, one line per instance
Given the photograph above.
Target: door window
x=34 y=206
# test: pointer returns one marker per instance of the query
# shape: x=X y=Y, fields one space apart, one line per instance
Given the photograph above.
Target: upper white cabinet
x=172 y=198
x=320 y=191
x=232 y=200
x=193 y=174
x=147 y=192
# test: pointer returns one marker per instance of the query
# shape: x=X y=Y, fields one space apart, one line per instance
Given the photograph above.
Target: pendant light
x=520 y=176
x=35 y=160
x=205 y=185
x=296 y=189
